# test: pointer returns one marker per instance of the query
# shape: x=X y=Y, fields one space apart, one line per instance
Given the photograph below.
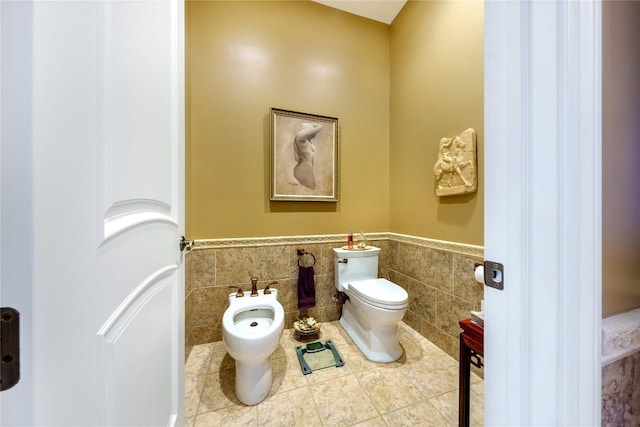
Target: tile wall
x=621 y=392
x=437 y=275
x=621 y=369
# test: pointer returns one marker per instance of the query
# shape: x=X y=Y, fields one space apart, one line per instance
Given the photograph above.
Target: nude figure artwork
x=304 y=153
x=455 y=169
x=304 y=156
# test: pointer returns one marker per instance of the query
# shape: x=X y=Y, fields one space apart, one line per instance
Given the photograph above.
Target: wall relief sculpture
x=456 y=168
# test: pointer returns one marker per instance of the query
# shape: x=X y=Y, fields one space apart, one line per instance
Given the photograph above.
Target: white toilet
x=251 y=331
x=374 y=306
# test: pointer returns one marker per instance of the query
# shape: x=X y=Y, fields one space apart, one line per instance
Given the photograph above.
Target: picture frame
x=304 y=156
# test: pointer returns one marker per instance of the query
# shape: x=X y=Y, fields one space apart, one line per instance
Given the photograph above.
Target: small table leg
x=463 y=398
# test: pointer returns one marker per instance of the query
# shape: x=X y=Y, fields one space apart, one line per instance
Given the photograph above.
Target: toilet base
x=379 y=342
x=253 y=381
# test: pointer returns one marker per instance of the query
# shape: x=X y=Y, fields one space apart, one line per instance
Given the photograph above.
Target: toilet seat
x=380 y=293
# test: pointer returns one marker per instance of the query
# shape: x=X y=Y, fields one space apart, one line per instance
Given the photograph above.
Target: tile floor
x=420 y=389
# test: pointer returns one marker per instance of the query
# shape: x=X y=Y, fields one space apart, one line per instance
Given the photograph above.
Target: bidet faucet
x=254 y=287
x=239 y=293
x=267 y=290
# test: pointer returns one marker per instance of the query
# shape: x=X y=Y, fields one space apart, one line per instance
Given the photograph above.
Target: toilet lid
x=380 y=292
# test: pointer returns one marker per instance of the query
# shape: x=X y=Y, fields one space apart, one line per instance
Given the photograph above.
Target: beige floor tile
x=287 y=345
x=355 y=360
x=412 y=354
x=445 y=360
x=218 y=391
x=335 y=332
x=198 y=362
x=232 y=416
x=422 y=414
x=342 y=401
x=279 y=352
x=478 y=387
x=192 y=394
x=218 y=347
x=389 y=389
x=405 y=332
x=474 y=379
x=287 y=375
x=291 y=408
x=428 y=348
x=356 y=394
x=432 y=379
x=220 y=360
x=447 y=405
x=373 y=422
x=477 y=409
x=417 y=360
x=455 y=369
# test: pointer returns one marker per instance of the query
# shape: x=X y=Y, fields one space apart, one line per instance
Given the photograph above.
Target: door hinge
x=494 y=275
x=9 y=347
x=185 y=244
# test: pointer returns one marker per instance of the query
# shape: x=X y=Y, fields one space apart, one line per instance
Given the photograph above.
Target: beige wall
x=620 y=157
x=422 y=75
x=436 y=91
x=246 y=57
x=395 y=89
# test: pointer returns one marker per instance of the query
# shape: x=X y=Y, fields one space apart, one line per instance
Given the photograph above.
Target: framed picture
x=304 y=156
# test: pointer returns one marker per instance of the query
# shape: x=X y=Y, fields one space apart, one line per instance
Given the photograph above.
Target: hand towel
x=306 y=288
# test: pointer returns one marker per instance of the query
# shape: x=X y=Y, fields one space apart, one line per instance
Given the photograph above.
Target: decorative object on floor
x=318 y=355
x=306 y=327
x=304 y=156
x=456 y=168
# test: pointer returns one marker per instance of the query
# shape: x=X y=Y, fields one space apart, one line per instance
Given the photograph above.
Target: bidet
x=251 y=331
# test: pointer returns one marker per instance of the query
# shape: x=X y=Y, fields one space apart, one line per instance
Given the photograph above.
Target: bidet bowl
x=252 y=326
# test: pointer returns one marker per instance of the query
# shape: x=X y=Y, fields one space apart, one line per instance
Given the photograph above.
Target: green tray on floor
x=318 y=355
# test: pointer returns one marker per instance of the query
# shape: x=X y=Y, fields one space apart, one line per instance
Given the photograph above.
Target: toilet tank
x=360 y=265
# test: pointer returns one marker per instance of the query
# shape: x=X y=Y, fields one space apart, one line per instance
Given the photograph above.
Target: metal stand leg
x=464 y=373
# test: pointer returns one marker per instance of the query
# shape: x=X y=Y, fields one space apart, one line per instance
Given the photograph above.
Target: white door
x=542 y=212
x=100 y=170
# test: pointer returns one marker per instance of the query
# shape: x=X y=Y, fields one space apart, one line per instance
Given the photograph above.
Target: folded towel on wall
x=306 y=287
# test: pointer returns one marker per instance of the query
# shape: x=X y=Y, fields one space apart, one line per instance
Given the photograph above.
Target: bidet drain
x=253 y=324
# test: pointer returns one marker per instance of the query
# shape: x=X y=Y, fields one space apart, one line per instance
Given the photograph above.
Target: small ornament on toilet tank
x=362 y=241
x=456 y=167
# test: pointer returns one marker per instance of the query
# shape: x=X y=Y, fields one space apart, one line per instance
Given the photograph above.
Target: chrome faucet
x=254 y=287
